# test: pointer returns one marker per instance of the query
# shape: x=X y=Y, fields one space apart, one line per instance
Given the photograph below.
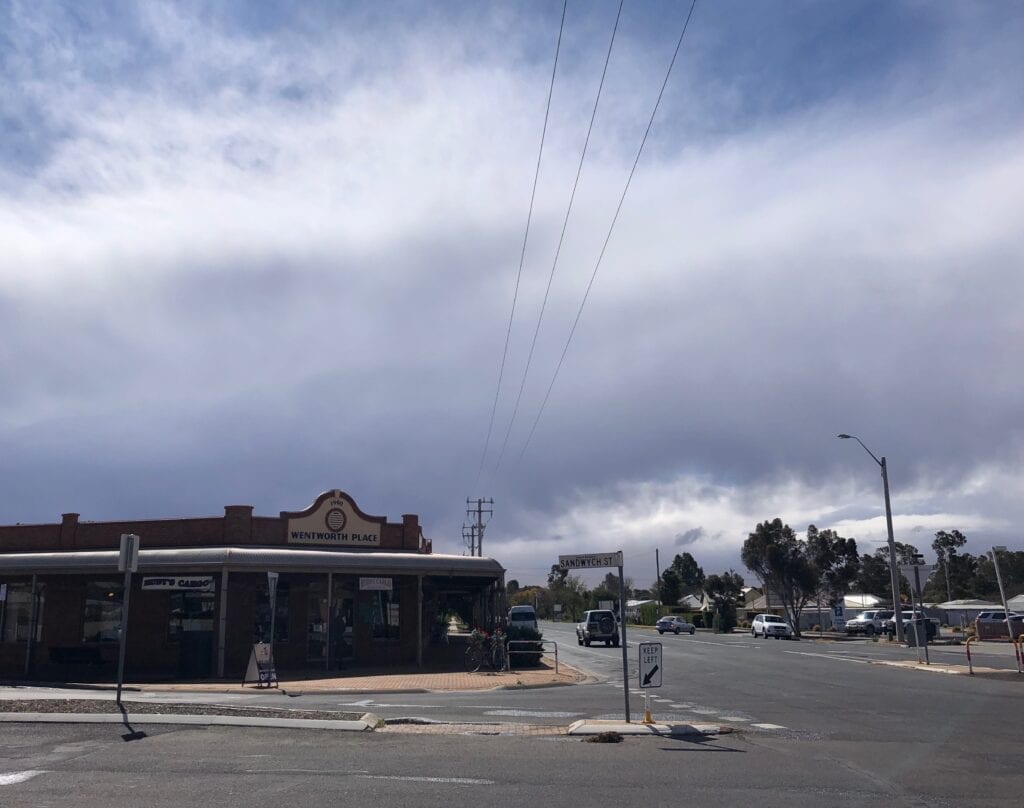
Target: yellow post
x=648 y=718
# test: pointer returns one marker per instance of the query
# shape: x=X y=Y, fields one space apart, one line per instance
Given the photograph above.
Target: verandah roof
x=246 y=559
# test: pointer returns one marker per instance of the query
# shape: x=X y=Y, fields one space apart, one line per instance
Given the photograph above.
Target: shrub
x=744 y=624
x=724 y=620
x=649 y=614
x=815 y=627
x=521 y=656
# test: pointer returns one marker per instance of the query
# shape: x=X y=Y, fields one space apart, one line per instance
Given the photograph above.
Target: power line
x=522 y=256
x=561 y=239
x=611 y=228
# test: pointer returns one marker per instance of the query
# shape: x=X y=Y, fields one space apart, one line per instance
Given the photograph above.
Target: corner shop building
x=353 y=591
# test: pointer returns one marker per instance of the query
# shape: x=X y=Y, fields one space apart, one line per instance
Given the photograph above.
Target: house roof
x=968 y=605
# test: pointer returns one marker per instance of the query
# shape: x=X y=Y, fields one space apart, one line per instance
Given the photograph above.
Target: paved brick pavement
x=391 y=681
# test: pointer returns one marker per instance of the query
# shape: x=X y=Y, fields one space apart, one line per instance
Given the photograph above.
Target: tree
x=567 y=590
x=945 y=546
x=905 y=553
x=557 y=575
x=873 y=576
x=670 y=589
x=511 y=587
x=691 y=576
x=835 y=561
x=724 y=591
x=780 y=560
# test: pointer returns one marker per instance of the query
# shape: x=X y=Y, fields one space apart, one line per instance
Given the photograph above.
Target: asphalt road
x=817 y=725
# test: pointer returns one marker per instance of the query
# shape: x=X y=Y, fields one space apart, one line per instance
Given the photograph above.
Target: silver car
x=675 y=625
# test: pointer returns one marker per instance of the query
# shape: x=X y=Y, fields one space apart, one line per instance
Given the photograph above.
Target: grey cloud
x=834 y=270
x=689 y=537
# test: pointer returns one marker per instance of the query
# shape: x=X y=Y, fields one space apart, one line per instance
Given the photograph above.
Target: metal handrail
x=510 y=643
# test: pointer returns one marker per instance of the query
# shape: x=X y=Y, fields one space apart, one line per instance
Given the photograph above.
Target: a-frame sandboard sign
x=261 y=670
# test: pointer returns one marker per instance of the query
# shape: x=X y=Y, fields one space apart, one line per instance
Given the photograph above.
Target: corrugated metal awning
x=251 y=559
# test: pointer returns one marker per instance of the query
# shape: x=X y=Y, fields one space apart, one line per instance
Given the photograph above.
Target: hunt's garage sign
x=195 y=583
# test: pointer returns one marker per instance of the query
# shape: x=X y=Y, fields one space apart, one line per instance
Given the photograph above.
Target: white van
x=522 y=617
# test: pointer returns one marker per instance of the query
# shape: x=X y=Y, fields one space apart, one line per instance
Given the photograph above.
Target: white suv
x=522 y=617
x=869 y=622
x=770 y=625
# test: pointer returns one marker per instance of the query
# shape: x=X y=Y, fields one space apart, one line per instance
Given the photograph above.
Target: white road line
x=727 y=644
x=732 y=718
x=830 y=656
x=13 y=778
x=768 y=726
x=533 y=713
x=461 y=781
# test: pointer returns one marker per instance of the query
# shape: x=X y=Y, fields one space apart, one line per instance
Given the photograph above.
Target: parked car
x=522 y=617
x=909 y=619
x=675 y=625
x=993 y=625
x=598 y=625
x=869 y=622
x=998 y=617
x=770 y=625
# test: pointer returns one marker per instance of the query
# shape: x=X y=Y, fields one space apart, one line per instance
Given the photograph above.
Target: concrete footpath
x=94 y=704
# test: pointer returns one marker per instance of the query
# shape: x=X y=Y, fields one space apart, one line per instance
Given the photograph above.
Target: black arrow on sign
x=649 y=676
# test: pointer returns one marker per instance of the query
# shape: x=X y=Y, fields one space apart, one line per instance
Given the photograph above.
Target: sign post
x=649 y=673
x=913 y=575
x=589 y=561
x=127 y=562
x=839 y=616
x=272 y=592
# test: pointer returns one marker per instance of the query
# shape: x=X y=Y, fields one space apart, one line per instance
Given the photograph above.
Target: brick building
x=352 y=590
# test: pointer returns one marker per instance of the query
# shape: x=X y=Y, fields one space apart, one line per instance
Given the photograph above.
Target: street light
x=894 y=574
x=1002 y=592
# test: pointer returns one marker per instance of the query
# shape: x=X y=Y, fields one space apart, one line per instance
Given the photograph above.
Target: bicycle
x=485 y=649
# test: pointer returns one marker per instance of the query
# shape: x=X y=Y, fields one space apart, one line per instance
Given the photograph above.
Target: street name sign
x=590 y=561
x=649 y=669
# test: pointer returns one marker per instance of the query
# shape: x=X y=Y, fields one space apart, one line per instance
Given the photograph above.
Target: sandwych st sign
x=589 y=561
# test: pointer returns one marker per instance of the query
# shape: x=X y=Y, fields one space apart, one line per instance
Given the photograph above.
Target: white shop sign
x=196 y=583
x=375 y=584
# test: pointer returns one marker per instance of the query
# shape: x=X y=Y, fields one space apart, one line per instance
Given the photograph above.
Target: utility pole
x=469 y=537
x=479 y=526
x=657 y=569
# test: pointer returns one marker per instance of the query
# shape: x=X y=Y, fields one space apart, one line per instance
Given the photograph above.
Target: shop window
x=262 y=627
x=384 y=613
x=191 y=611
x=16 y=613
x=102 y=611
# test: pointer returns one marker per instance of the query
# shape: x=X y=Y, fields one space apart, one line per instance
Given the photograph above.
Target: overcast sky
x=253 y=251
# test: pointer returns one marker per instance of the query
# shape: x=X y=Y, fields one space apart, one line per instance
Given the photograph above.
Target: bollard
x=1018 y=652
x=970 y=665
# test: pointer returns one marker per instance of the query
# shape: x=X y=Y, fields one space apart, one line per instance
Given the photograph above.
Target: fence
x=533 y=647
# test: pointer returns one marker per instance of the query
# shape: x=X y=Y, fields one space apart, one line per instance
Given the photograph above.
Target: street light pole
x=894 y=574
